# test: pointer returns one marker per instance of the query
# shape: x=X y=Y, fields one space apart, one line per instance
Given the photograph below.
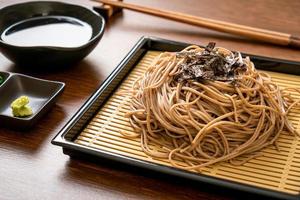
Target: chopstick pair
x=274 y=37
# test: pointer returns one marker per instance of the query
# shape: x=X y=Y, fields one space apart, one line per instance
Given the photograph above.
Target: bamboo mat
x=279 y=171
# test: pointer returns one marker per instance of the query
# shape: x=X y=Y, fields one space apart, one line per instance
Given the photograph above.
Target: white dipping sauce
x=55 y=31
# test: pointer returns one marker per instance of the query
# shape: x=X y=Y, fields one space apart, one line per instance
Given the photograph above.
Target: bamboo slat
x=279 y=171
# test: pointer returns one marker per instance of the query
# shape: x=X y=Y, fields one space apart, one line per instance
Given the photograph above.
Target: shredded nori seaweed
x=210 y=65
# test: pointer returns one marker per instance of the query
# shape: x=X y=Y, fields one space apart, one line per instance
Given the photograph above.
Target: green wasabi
x=20 y=108
x=1 y=80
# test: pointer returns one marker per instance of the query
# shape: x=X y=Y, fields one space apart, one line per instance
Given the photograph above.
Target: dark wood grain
x=32 y=168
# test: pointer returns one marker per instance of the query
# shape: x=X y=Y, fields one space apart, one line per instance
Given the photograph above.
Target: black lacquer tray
x=275 y=175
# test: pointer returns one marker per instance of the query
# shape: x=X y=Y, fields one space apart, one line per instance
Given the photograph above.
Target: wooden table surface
x=32 y=168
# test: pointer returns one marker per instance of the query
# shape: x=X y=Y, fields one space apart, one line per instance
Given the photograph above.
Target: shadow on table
x=47 y=127
x=144 y=183
x=30 y=141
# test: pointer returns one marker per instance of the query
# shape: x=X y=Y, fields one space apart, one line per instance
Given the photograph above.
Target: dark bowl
x=22 y=15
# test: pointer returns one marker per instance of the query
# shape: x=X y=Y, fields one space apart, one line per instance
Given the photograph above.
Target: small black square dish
x=42 y=95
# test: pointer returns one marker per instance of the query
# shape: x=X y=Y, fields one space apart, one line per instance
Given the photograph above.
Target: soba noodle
x=202 y=122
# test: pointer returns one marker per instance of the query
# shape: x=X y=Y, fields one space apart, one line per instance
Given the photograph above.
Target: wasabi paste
x=20 y=107
x=1 y=80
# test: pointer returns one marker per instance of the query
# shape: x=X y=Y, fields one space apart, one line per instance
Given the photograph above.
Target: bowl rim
x=91 y=40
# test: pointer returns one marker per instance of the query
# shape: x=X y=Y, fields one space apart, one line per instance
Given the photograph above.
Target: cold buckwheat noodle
x=203 y=117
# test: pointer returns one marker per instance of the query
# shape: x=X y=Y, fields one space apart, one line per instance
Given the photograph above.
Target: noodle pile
x=202 y=121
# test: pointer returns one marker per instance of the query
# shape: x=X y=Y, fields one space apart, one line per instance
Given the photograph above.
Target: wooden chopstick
x=259 y=34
